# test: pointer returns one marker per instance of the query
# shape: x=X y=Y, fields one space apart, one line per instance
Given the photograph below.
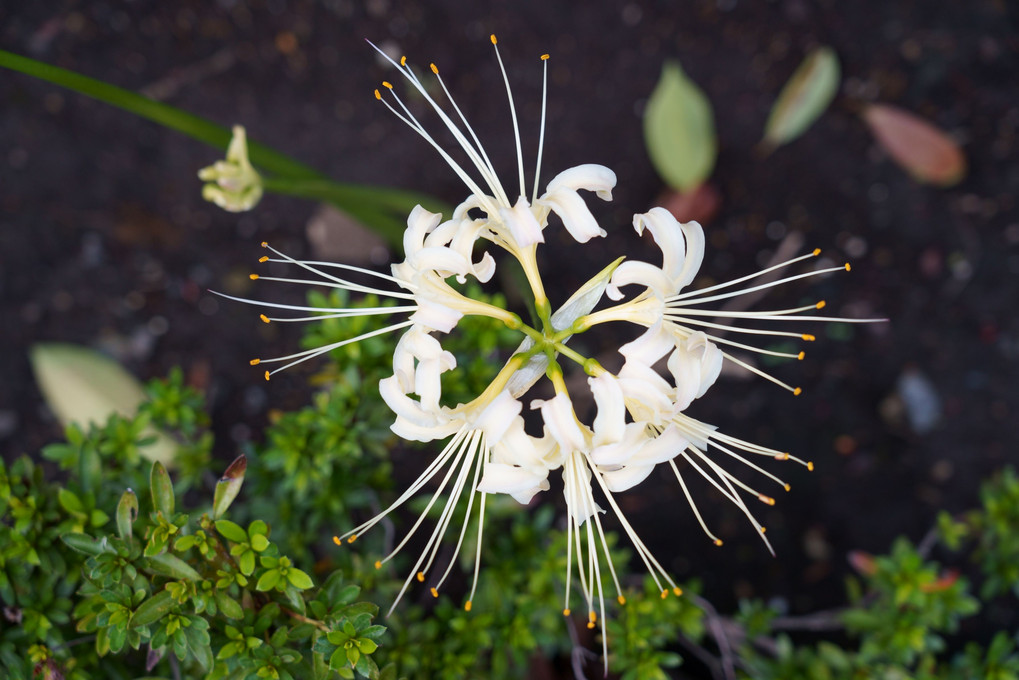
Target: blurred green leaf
x=804 y=98
x=162 y=490
x=679 y=130
x=82 y=386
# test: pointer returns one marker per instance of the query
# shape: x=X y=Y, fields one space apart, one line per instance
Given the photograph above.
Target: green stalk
x=380 y=208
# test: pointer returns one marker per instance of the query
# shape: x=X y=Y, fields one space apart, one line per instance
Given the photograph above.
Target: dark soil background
x=105 y=241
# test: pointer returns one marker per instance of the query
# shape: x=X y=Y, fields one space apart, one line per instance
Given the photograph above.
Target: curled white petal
x=562 y=423
x=695 y=365
x=574 y=213
x=610 y=422
x=589 y=176
x=519 y=482
x=640 y=273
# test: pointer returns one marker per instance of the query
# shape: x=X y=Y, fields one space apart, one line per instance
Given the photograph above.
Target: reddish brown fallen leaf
x=923 y=150
x=862 y=562
x=700 y=204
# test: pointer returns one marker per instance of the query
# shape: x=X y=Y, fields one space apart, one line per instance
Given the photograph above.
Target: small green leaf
x=70 y=502
x=804 y=98
x=268 y=580
x=366 y=646
x=259 y=542
x=153 y=609
x=246 y=562
x=299 y=579
x=86 y=544
x=162 y=490
x=228 y=486
x=258 y=527
x=231 y=531
x=127 y=512
x=229 y=606
x=338 y=659
x=679 y=130
x=173 y=567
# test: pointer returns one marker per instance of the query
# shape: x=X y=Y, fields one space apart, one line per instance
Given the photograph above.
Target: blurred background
x=106 y=242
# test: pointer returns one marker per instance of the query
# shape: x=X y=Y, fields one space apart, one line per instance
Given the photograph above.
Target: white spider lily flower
x=640 y=422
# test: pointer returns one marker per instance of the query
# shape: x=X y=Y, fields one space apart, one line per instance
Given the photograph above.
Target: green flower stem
x=379 y=208
x=589 y=365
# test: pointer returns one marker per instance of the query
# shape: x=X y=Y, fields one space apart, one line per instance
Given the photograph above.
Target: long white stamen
x=513 y=113
x=491 y=176
x=693 y=505
x=541 y=134
x=486 y=172
x=748 y=277
x=348 y=267
x=696 y=300
x=311 y=353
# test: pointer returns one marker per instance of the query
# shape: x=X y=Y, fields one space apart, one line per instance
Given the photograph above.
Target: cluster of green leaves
x=99 y=589
x=905 y=605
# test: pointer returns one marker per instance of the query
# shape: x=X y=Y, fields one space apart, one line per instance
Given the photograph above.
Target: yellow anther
x=467 y=606
x=255 y=362
x=848 y=268
x=764 y=529
x=264 y=258
x=718 y=541
x=817 y=251
x=403 y=61
x=621 y=600
x=435 y=593
x=797 y=392
x=787 y=487
x=801 y=355
x=544 y=57
x=494 y=41
x=677 y=591
x=386 y=84
x=566 y=612
x=592 y=617
x=808 y=337
x=378 y=95
x=337 y=540
x=665 y=593
x=264 y=318
x=810 y=466
x=821 y=304
x=265 y=244
x=435 y=69
x=353 y=537
x=253 y=277
x=378 y=564
x=782 y=456
x=768 y=500
x=421 y=577
x=590 y=625
x=267 y=375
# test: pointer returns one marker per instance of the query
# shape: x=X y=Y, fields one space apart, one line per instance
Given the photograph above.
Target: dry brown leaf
x=923 y=150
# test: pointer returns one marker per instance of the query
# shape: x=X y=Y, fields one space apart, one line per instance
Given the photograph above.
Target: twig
x=304 y=619
x=579 y=654
x=703 y=655
x=716 y=625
